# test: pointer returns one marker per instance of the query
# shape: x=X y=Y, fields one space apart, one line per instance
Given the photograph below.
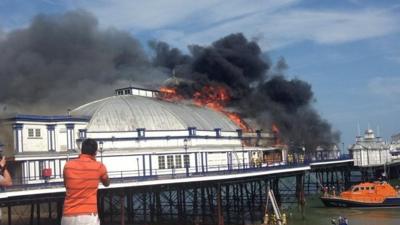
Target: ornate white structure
x=395 y=147
x=139 y=134
x=370 y=150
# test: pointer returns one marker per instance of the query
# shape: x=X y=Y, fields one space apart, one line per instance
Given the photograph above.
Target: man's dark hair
x=89 y=146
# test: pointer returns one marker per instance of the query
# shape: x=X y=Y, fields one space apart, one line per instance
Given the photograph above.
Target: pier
x=194 y=197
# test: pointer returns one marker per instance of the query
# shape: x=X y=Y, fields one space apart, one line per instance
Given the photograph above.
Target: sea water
x=315 y=213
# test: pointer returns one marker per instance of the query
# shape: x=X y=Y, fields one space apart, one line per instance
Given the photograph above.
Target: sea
x=315 y=213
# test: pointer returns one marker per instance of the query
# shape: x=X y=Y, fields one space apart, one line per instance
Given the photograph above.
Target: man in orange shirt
x=5 y=177
x=81 y=180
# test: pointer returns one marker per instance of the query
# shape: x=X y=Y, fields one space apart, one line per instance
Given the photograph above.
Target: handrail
x=38 y=182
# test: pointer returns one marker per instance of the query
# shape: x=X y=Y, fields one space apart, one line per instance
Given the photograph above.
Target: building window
x=186 y=160
x=178 y=161
x=170 y=161
x=30 y=133
x=161 y=162
x=37 y=133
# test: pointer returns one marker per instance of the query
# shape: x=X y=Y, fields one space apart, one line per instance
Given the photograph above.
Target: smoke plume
x=62 y=61
x=260 y=91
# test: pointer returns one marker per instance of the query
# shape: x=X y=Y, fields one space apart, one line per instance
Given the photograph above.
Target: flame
x=211 y=96
x=216 y=97
x=170 y=94
x=236 y=119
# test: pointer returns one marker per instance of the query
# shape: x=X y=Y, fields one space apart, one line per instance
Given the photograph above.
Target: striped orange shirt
x=81 y=179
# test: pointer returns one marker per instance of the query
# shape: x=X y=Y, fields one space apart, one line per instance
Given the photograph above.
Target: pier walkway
x=125 y=181
x=122 y=179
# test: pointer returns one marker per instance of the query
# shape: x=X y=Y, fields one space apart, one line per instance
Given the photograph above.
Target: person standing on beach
x=81 y=180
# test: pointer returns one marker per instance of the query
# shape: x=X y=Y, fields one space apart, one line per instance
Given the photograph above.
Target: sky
x=348 y=50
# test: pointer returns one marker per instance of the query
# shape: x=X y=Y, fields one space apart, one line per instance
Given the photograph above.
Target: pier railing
x=137 y=175
x=309 y=160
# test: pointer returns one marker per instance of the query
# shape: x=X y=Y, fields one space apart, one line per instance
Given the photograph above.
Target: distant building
x=326 y=154
x=370 y=150
x=396 y=138
x=395 y=146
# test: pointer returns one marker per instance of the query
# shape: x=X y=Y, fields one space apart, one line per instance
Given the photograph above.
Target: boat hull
x=339 y=202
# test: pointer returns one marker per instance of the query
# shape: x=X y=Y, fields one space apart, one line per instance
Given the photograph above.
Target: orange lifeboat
x=369 y=194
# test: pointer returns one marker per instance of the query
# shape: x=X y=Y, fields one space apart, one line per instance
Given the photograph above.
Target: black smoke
x=260 y=91
x=62 y=61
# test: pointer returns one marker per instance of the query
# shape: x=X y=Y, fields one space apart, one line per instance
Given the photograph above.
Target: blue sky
x=349 y=51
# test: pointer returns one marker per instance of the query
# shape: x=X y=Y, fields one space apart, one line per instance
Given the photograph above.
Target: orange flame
x=216 y=97
x=212 y=96
x=236 y=119
x=170 y=94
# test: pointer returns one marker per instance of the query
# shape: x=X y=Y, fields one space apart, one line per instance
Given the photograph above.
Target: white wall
x=371 y=157
x=35 y=144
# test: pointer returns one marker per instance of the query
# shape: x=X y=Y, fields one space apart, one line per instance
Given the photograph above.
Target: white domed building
x=370 y=150
x=139 y=134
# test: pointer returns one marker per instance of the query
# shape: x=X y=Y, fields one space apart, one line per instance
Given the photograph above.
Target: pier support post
x=32 y=214
x=38 y=213
x=300 y=192
x=122 y=204
x=9 y=215
x=219 y=203
x=275 y=188
x=50 y=211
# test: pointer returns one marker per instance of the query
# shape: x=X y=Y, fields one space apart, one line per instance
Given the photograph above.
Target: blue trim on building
x=195 y=162
x=55 y=118
x=70 y=125
x=206 y=159
x=202 y=162
x=192 y=131
x=22 y=141
x=51 y=126
x=137 y=88
x=166 y=138
x=82 y=133
x=18 y=125
x=141 y=132
x=16 y=128
x=144 y=164
x=16 y=148
x=151 y=166
x=239 y=132
x=217 y=132
x=51 y=137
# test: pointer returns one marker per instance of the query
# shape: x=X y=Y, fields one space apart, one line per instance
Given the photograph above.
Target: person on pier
x=5 y=177
x=81 y=180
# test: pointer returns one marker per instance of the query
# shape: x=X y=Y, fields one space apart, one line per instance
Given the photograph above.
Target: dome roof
x=129 y=112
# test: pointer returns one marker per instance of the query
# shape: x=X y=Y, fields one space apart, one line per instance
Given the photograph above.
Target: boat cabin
x=370 y=192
